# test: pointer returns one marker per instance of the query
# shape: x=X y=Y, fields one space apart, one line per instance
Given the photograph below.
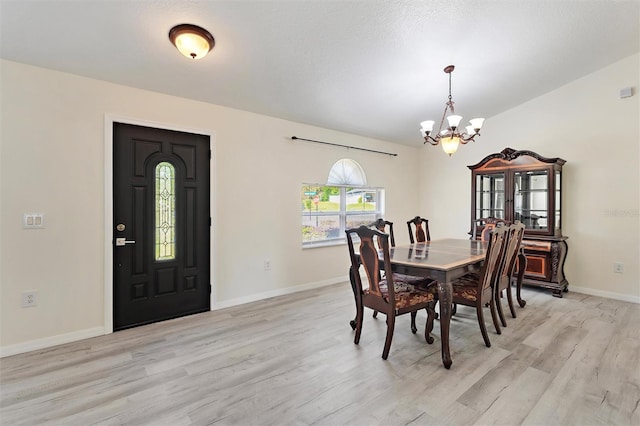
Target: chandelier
x=451 y=136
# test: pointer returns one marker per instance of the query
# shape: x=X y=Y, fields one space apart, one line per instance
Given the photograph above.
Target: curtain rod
x=345 y=146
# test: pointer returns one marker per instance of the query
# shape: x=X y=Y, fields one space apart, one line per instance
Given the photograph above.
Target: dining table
x=442 y=260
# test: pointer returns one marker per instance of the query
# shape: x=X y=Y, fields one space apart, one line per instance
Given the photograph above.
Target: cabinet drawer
x=537 y=245
x=538 y=255
x=537 y=266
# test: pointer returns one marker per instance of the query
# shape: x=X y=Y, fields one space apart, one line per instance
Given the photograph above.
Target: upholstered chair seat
x=407 y=294
x=467 y=288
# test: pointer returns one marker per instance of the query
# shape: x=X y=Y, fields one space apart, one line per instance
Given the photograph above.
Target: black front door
x=161 y=218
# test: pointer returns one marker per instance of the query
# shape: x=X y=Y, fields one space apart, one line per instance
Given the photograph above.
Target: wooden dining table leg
x=445 y=290
x=522 y=266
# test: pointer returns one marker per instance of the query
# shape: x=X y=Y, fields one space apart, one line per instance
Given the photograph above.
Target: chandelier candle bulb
x=427 y=126
x=454 y=121
x=476 y=123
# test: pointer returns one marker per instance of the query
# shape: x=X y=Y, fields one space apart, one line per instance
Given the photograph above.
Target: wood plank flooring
x=291 y=361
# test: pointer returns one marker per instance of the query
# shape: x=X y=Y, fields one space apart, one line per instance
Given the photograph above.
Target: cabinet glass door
x=490 y=196
x=531 y=198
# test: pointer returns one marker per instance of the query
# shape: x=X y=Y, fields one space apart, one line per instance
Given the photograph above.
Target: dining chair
x=421 y=233
x=385 y=295
x=515 y=236
x=478 y=289
x=481 y=231
x=483 y=226
x=382 y=225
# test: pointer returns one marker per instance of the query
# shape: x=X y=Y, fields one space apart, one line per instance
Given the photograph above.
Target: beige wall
x=53 y=162
x=586 y=123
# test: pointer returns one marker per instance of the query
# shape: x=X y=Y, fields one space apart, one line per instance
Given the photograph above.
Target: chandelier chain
x=444 y=115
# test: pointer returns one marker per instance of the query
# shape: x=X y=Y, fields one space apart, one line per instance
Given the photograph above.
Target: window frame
x=343 y=213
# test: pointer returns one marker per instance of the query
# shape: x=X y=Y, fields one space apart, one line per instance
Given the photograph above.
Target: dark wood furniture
x=384 y=294
x=477 y=290
x=527 y=187
x=382 y=225
x=386 y=227
x=420 y=230
x=486 y=224
x=506 y=276
x=443 y=261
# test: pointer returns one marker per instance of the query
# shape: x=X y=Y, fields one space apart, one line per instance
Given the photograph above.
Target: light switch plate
x=33 y=221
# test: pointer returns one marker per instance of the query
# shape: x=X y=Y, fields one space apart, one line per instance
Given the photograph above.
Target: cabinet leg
x=521 y=302
x=522 y=266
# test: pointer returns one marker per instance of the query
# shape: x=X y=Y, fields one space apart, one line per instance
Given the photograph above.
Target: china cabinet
x=527 y=187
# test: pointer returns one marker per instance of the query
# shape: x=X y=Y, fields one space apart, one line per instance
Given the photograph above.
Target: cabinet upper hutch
x=527 y=187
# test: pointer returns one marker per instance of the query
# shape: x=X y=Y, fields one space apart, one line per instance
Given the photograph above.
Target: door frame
x=109 y=119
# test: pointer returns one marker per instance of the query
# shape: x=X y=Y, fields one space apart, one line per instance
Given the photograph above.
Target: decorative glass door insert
x=165 y=212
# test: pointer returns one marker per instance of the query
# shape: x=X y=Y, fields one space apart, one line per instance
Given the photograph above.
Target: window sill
x=330 y=243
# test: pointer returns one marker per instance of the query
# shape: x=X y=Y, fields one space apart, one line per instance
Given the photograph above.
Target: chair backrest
x=381 y=225
x=494 y=257
x=421 y=230
x=516 y=234
x=369 y=258
x=482 y=227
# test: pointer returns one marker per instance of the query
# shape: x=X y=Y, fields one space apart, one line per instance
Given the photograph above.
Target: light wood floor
x=291 y=361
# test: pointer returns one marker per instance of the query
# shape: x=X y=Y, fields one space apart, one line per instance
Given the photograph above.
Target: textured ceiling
x=372 y=68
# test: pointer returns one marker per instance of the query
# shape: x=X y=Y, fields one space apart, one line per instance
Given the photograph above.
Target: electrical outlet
x=29 y=299
x=618 y=267
x=267 y=265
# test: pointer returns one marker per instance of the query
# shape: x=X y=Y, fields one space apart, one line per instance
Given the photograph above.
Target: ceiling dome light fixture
x=451 y=137
x=191 y=40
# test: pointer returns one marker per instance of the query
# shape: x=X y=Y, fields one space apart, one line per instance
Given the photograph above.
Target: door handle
x=123 y=241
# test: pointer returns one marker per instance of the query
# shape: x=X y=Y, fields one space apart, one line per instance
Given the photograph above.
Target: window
x=347 y=172
x=328 y=210
x=165 y=212
x=344 y=202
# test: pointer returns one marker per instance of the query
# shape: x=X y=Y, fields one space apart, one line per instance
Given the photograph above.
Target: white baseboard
x=47 y=342
x=277 y=292
x=607 y=294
